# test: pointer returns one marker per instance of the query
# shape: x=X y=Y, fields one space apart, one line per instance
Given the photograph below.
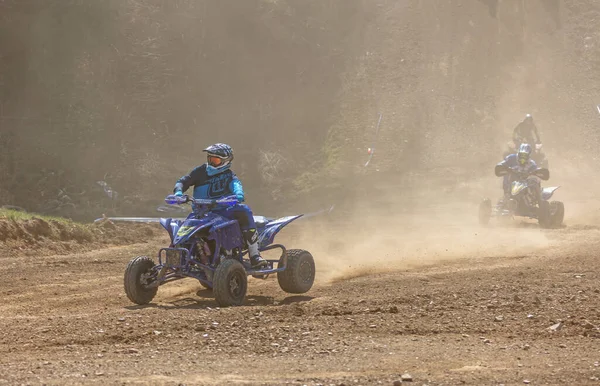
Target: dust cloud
x=391 y=231
x=439 y=224
x=450 y=103
x=439 y=229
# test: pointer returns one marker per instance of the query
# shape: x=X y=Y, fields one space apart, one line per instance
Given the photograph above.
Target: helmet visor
x=215 y=161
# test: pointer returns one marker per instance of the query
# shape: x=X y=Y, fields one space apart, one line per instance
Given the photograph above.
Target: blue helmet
x=219 y=157
x=524 y=153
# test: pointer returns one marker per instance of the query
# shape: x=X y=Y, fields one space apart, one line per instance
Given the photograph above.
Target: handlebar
x=503 y=170
x=514 y=170
x=179 y=200
x=523 y=175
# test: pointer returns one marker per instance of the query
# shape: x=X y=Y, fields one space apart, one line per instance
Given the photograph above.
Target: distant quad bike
x=211 y=249
x=523 y=201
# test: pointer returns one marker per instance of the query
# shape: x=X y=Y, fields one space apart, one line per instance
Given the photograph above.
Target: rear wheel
x=557 y=213
x=230 y=283
x=138 y=275
x=299 y=274
x=485 y=212
x=544 y=218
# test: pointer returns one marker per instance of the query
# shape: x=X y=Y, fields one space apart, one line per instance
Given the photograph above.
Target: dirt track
x=474 y=320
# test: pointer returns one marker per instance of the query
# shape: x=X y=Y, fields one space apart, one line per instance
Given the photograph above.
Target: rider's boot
x=251 y=238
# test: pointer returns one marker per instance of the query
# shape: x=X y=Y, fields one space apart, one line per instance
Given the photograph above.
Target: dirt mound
x=43 y=235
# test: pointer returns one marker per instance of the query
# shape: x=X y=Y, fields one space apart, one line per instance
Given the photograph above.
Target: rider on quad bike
x=214 y=180
x=527 y=132
x=519 y=163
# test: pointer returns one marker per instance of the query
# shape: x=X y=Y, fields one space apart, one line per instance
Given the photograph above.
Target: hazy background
x=129 y=92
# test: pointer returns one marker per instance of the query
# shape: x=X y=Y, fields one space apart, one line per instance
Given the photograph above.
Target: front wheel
x=138 y=275
x=544 y=218
x=299 y=274
x=230 y=283
x=557 y=213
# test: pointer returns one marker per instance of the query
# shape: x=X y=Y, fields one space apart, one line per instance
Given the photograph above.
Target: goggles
x=215 y=161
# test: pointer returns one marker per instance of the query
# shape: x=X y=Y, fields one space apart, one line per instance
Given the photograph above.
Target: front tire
x=136 y=280
x=299 y=274
x=230 y=283
x=557 y=213
x=544 y=218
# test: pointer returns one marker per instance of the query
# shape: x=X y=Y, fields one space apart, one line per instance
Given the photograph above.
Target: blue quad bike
x=210 y=248
x=524 y=200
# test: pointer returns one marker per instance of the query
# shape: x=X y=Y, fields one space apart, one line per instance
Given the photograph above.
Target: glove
x=240 y=197
x=179 y=193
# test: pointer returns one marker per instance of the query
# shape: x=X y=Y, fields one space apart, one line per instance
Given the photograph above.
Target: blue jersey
x=512 y=162
x=211 y=187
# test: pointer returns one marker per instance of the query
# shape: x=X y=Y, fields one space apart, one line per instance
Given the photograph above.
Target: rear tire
x=135 y=283
x=230 y=283
x=557 y=213
x=544 y=218
x=299 y=274
x=485 y=212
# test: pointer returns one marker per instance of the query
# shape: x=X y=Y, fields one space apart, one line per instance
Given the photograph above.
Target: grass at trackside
x=16 y=215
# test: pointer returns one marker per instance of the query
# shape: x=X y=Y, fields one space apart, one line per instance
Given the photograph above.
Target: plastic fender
x=548 y=192
x=166 y=223
x=191 y=226
x=267 y=235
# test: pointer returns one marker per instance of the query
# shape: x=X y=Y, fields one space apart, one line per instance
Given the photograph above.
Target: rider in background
x=519 y=163
x=214 y=180
x=526 y=132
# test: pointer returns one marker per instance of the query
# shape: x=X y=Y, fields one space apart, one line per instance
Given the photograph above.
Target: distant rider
x=214 y=180
x=526 y=132
x=519 y=163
